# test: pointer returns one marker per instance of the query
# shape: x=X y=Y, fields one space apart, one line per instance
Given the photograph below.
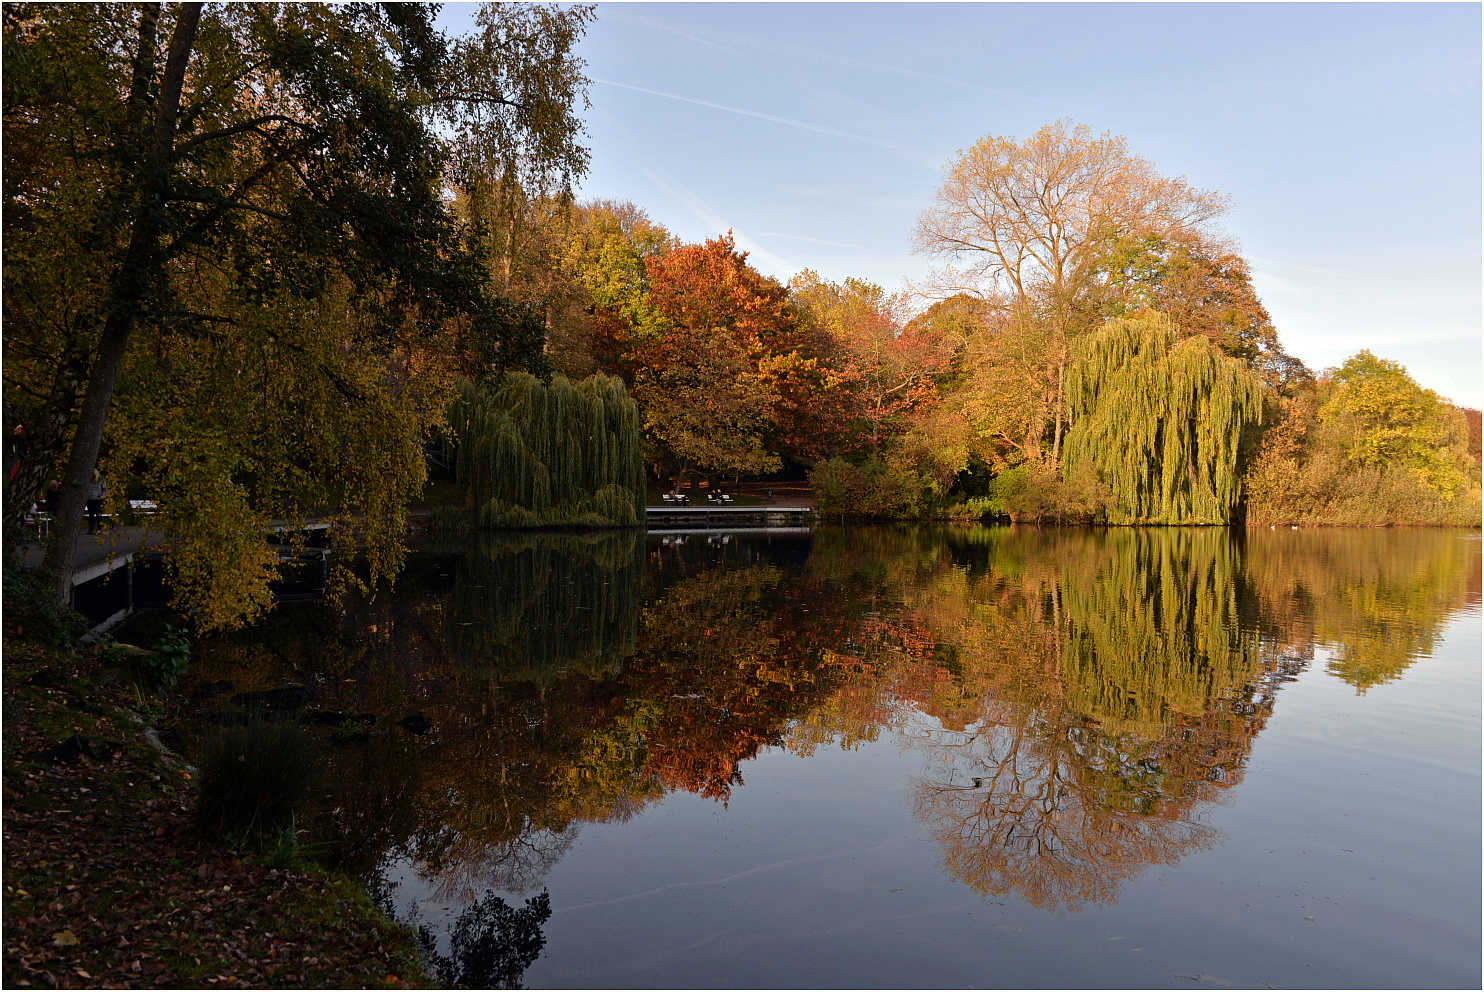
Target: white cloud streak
x=773 y=118
x=794 y=51
x=780 y=268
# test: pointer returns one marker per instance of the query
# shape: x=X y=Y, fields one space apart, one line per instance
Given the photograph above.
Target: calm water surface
x=913 y=757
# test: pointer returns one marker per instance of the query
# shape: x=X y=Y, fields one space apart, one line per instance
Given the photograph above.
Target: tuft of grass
x=448 y=519
x=253 y=777
x=289 y=852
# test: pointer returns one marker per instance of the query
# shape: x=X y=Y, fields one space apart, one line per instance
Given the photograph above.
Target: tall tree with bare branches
x=1029 y=224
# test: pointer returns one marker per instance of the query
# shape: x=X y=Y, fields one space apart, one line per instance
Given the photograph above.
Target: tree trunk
x=131 y=281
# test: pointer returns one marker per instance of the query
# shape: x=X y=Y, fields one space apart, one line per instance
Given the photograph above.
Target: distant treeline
x=1094 y=351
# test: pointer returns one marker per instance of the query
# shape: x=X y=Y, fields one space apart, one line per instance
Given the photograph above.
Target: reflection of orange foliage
x=1037 y=781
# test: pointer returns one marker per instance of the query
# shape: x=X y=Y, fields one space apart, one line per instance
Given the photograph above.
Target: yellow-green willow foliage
x=1160 y=418
x=1152 y=629
x=536 y=455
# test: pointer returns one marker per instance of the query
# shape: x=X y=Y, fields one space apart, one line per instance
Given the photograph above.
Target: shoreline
x=108 y=884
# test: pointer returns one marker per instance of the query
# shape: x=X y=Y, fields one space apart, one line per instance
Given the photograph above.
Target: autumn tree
x=1380 y=416
x=878 y=372
x=1029 y=225
x=209 y=165
x=513 y=91
x=605 y=257
x=1203 y=287
x=699 y=383
x=1367 y=445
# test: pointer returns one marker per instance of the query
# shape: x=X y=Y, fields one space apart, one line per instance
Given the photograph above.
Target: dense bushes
x=1040 y=494
x=1324 y=490
x=876 y=489
x=31 y=609
x=1366 y=447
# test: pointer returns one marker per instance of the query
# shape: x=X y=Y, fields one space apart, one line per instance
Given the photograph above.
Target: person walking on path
x=96 y=492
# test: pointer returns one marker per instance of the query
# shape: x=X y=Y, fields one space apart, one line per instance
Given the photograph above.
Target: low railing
x=712 y=515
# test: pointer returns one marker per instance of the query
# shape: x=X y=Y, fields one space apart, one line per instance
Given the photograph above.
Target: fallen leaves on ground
x=108 y=886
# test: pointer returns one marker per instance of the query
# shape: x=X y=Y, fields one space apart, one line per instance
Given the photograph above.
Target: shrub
x=973 y=508
x=1038 y=493
x=32 y=613
x=172 y=656
x=876 y=489
x=1326 y=490
x=253 y=777
x=110 y=651
x=833 y=482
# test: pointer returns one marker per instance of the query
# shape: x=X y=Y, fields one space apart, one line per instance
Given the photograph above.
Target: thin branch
x=238 y=204
x=251 y=125
x=482 y=98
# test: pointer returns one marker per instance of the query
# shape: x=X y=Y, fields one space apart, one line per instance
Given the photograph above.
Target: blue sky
x=1348 y=136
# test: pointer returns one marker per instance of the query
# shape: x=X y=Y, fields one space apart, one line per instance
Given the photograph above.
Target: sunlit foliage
x=1161 y=420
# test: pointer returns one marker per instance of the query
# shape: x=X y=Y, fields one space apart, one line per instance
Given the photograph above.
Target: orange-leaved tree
x=699 y=380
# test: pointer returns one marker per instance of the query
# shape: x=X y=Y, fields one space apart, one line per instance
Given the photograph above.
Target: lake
x=906 y=756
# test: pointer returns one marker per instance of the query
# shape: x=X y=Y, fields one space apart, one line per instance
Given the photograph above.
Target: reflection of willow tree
x=1151 y=623
x=534 y=605
x=1376 y=599
x=1100 y=689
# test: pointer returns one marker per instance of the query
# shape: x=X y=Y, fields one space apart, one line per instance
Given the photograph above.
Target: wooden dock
x=711 y=516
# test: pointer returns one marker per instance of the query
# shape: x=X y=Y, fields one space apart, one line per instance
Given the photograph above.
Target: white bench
x=144 y=507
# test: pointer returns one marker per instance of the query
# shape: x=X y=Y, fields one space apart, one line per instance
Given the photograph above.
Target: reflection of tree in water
x=490 y=944
x=520 y=756
x=725 y=664
x=1377 y=600
x=537 y=604
x=459 y=864
x=1013 y=815
x=1102 y=689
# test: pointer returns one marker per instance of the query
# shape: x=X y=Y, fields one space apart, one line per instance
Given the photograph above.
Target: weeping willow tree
x=1160 y=419
x=537 y=455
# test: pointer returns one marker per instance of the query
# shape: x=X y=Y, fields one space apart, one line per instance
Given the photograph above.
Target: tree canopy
x=251 y=183
x=1160 y=419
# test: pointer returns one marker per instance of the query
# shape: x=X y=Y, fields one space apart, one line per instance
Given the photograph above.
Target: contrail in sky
x=702 y=209
x=764 y=117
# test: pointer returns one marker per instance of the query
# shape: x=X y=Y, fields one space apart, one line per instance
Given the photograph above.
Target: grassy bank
x=107 y=881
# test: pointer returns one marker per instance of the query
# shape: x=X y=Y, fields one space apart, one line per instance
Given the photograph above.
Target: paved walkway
x=107 y=549
x=784 y=493
x=97 y=553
